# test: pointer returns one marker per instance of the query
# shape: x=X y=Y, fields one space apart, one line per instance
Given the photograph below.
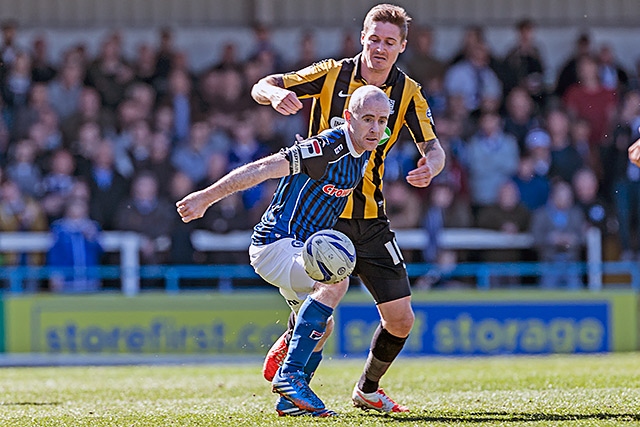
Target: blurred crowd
x=107 y=142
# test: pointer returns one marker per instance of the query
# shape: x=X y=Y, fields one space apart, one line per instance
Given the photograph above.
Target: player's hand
x=422 y=175
x=634 y=153
x=192 y=206
x=286 y=102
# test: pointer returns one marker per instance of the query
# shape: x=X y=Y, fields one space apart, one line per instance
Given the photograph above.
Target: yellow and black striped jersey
x=330 y=84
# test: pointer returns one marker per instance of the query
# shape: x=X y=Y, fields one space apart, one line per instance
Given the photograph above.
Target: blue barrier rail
x=482 y=273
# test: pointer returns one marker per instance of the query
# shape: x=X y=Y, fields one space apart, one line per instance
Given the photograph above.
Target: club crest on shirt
x=310 y=148
x=392 y=104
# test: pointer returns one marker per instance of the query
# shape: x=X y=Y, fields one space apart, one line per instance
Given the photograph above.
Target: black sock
x=384 y=350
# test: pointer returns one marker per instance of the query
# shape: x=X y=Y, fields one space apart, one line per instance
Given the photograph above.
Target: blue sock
x=312 y=364
x=310 y=327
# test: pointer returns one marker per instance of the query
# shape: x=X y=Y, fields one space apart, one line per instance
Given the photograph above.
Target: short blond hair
x=390 y=13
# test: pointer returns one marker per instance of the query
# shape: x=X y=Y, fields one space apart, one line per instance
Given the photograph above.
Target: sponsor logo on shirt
x=331 y=190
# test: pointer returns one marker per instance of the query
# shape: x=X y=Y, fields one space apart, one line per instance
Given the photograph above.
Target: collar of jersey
x=391 y=78
x=347 y=136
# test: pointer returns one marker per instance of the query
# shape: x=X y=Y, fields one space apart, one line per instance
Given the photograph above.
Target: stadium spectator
x=57 y=184
x=109 y=73
x=84 y=147
x=589 y=100
x=23 y=169
x=22 y=118
x=46 y=135
x=612 y=74
x=9 y=48
x=597 y=212
x=492 y=157
x=134 y=153
x=181 y=250
x=349 y=44
x=89 y=110
x=565 y=157
x=65 y=89
x=558 y=229
x=472 y=38
x=473 y=79
x=523 y=64
x=144 y=67
x=17 y=82
x=163 y=123
x=146 y=213
x=538 y=146
x=145 y=97
x=229 y=58
x=533 y=188
x=568 y=74
x=165 y=55
x=192 y=156
x=402 y=204
x=270 y=128
x=19 y=212
x=444 y=210
x=76 y=251
x=509 y=216
x=520 y=115
x=42 y=69
x=108 y=186
x=265 y=50
x=246 y=148
x=159 y=162
x=307 y=51
x=422 y=63
x=180 y=97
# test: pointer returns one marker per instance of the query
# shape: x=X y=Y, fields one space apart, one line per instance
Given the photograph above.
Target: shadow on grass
x=515 y=417
x=30 y=403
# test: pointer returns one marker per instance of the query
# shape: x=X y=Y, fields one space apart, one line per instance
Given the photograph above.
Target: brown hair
x=390 y=13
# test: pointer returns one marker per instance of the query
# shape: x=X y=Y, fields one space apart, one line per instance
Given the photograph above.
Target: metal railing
x=130 y=272
x=482 y=274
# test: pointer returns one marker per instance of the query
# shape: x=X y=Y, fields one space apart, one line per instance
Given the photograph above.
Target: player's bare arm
x=430 y=164
x=634 y=153
x=270 y=90
x=194 y=205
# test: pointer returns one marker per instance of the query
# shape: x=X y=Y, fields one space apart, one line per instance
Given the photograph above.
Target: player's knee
x=401 y=324
x=330 y=294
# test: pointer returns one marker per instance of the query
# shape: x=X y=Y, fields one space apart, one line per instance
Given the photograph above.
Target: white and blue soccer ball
x=329 y=256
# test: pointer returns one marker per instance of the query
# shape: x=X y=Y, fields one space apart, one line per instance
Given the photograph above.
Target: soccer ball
x=329 y=256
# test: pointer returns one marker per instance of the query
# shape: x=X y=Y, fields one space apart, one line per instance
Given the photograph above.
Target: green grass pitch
x=601 y=390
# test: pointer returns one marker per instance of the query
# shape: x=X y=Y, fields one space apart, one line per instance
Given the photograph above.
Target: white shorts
x=280 y=263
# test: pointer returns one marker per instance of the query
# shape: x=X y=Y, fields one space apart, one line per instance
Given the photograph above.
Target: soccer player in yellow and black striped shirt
x=379 y=260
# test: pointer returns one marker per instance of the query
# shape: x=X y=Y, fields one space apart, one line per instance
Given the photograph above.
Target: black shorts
x=379 y=262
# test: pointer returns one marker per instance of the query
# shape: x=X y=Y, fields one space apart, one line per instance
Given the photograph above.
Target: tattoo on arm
x=427 y=146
